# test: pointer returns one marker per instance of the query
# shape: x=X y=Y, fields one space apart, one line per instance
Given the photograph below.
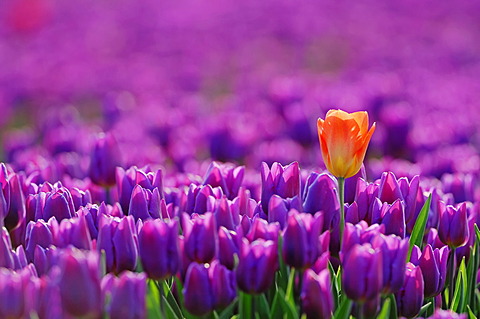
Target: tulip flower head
x=344 y=139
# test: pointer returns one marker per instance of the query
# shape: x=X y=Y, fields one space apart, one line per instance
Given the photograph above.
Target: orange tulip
x=344 y=139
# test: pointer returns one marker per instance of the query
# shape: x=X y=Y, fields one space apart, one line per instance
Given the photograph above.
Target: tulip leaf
x=418 y=231
x=472 y=268
x=153 y=301
x=458 y=300
x=393 y=306
x=343 y=312
x=227 y=313
x=261 y=306
x=282 y=274
x=289 y=295
x=471 y=315
x=289 y=311
x=385 y=312
x=171 y=301
x=169 y=311
x=335 y=288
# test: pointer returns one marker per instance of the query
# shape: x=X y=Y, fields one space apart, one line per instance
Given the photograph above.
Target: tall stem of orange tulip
x=341 y=196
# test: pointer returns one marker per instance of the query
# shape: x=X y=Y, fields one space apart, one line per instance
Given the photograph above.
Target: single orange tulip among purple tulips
x=344 y=139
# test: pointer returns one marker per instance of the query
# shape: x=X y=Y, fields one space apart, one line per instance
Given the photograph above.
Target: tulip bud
x=200 y=237
x=410 y=297
x=227 y=247
x=433 y=263
x=105 y=158
x=223 y=284
x=198 y=290
x=300 y=239
x=453 y=229
x=257 y=265
x=316 y=295
x=321 y=195
x=362 y=275
x=14 y=302
x=158 y=243
x=280 y=180
x=127 y=295
x=79 y=283
x=38 y=233
x=58 y=204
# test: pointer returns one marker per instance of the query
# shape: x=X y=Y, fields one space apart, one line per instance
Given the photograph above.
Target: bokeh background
x=179 y=83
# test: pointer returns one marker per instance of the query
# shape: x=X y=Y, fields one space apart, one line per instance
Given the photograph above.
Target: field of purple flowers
x=161 y=159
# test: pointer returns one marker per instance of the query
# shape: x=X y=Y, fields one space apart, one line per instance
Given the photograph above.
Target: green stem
x=452 y=268
x=341 y=196
x=160 y=290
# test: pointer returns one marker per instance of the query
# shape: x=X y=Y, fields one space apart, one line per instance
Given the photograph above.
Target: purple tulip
x=228 y=247
x=447 y=314
x=461 y=186
x=389 y=189
x=394 y=255
x=300 y=239
x=362 y=275
x=38 y=233
x=200 y=237
x=198 y=290
x=74 y=232
x=80 y=198
x=158 y=245
x=228 y=177
x=316 y=295
x=410 y=297
x=16 y=203
x=433 y=263
x=144 y=203
x=80 y=270
x=278 y=209
x=118 y=238
x=351 y=184
x=453 y=228
x=223 y=214
x=321 y=195
x=279 y=180
x=106 y=156
x=258 y=262
x=6 y=253
x=127 y=295
x=365 y=196
x=14 y=296
x=223 y=284
x=260 y=228
x=393 y=217
x=58 y=204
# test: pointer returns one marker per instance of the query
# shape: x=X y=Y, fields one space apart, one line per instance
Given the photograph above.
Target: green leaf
x=470 y=313
x=227 y=313
x=416 y=238
x=335 y=288
x=276 y=310
x=261 y=306
x=393 y=310
x=153 y=300
x=282 y=274
x=170 y=300
x=343 y=312
x=289 y=311
x=459 y=295
x=289 y=295
x=385 y=312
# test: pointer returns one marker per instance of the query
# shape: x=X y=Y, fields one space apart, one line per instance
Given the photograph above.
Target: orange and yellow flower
x=344 y=139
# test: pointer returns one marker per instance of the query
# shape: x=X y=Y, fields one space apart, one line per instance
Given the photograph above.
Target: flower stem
x=452 y=268
x=341 y=196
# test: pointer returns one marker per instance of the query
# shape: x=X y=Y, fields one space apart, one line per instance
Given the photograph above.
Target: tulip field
x=239 y=159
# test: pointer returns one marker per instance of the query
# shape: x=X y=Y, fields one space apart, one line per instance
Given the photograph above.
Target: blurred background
x=182 y=82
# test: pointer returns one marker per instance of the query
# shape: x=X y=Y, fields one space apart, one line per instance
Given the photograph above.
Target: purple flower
x=280 y=180
x=453 y=227
x=258 y=262
x=105 y=157
x=118 y=238
x=198 y=290
x=278 y=209
x=58 y=204
x=433 y=263
x=79 y=283
x=226 y=176
x=127 y=295
x=447 y=314
x=410 y=297
x=158 y=244
x=321 y=195
x=200 y=237
x=228 y=247
x=300 y=239
x=38 y=234
x=144 y=203
x=362 y=275
x=389 y=189
x=223 y=284
x=14 y=297
x=394 y=255
x=393 y=217
x=316 y=295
